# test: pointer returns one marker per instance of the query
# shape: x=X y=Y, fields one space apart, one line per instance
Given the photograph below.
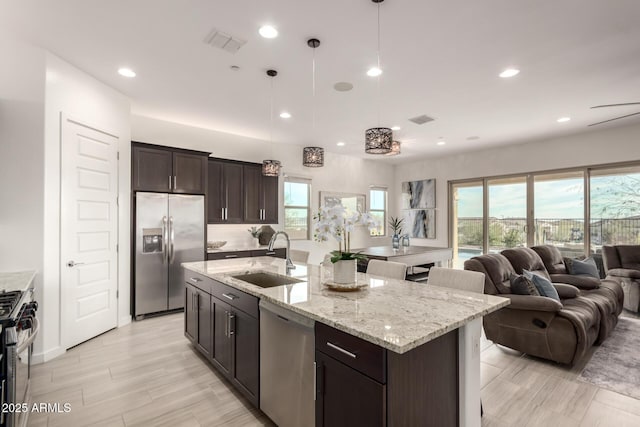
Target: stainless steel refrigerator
x=170 y=230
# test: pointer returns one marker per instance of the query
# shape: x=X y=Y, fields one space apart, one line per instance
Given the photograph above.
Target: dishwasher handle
x=286 y=315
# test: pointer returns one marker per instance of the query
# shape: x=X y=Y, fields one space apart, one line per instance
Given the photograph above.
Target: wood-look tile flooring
x=147 y=374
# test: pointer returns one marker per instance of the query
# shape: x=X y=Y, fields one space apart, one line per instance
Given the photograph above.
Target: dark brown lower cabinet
x=346 y=397
x=190 y=313
x=197 y=320
x=227 y=333
x=221 y=355
x=246 y=353
x=205 y=332
x=360 y=383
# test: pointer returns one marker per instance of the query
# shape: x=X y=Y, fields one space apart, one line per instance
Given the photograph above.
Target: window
x=378 y=209
x=297 y=208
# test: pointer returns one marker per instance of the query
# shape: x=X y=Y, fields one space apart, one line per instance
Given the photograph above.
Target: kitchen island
x=418 y=344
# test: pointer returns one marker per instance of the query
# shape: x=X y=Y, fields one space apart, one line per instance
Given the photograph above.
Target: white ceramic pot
x=344 y=271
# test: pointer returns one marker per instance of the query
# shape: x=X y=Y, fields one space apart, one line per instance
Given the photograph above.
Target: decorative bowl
x=216 y=245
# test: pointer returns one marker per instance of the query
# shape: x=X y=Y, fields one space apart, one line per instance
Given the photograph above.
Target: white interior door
x=89 y=232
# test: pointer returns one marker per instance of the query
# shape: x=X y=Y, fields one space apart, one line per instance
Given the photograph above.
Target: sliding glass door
x=559 y=211
x=577 y=210
x=467 y=221
x=615 y=207
x=507 y=220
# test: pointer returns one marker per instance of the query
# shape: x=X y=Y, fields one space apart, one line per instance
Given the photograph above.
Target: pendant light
x=378 y=140
x=313 y=157
x=271 y=167
x=395 y=149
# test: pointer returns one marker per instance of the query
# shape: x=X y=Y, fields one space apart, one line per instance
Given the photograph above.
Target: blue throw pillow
x=543 y=285
x=587 y=267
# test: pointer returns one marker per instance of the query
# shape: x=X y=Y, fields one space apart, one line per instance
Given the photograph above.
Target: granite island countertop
x=395 y=314
x=17 y=281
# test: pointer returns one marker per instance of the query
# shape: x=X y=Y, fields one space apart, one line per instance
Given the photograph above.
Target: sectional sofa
x=561 y=331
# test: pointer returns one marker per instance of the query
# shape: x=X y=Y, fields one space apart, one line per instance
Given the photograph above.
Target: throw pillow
x=587 y=267
x=520 y=285
x=543 y=285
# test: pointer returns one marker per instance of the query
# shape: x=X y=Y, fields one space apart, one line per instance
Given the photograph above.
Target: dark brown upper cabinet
x=225 y=189
x=166 y=169
x=238 y=193
x=260 y=196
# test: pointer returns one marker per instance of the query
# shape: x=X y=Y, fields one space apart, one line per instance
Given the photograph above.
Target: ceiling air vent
x=420 y=120
x=224 y=41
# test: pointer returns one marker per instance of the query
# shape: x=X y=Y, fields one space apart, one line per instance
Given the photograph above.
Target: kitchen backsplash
x=233 y=234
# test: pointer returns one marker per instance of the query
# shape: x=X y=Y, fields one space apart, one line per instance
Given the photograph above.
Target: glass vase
x=395 y=241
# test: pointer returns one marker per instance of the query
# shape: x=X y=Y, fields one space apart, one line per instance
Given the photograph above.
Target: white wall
x=21 y=158
x=341 y=173
x=80 y=96
x=618 y=144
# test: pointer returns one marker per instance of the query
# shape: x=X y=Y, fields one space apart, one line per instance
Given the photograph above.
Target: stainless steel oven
x=18 y=334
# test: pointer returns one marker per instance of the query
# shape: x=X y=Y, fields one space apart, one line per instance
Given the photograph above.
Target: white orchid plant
x=339 y=223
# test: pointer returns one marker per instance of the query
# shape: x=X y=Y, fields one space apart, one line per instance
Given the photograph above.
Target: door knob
x=73 y=263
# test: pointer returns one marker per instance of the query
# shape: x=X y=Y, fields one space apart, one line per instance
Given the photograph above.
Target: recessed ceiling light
x=340 y=144
x=563 y=119
x=441 y=142
x=395 y=128
x=285 y=115
x=374 y=72
x=268 y=32
x=509 y=72
x=126 y=72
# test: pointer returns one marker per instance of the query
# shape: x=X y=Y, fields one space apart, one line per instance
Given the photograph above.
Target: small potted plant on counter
x=396 y=226
x=336 y=222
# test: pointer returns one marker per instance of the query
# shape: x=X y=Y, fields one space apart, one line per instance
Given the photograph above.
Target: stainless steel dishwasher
x=287 y=391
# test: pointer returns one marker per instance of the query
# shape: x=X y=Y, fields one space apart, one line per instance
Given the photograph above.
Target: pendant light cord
x=313 y=91
x=271 y=119
x=378 y=82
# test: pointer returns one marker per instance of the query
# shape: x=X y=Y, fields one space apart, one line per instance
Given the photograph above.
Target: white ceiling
x=439 y=58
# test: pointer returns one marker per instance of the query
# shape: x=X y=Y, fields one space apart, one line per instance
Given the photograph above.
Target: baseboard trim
x=124 y=320
x=37 y=358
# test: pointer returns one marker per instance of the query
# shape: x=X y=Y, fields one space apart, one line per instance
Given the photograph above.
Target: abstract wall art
x=421 y=223
x=419 y=194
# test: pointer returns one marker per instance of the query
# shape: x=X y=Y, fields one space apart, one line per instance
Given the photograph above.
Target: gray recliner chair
x=622 y=264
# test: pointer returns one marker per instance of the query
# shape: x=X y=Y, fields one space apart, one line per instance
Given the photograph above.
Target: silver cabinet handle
x=73 y=263
x=226 y=324
x=222 y=213
x=195 y=279
x=226 y=214
x=342 y=350
x=230 y=296
x=231 y=256
x=169 y=182
x=232 y=324
x=175 y=182
x=270 y=253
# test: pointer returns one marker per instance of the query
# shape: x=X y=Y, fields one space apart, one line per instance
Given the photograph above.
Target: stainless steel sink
x=266 y=280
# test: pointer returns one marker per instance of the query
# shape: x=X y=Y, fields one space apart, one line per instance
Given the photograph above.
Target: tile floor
x=146 y=374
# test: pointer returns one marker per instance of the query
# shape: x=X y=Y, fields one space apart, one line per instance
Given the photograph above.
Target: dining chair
x=464 y=280
x=390 y=269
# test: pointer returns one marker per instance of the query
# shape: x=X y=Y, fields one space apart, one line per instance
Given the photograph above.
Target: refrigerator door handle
x=171 y=239
x=165 y=237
